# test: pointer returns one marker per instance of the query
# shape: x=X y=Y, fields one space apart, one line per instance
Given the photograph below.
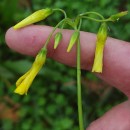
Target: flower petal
x=19 y=81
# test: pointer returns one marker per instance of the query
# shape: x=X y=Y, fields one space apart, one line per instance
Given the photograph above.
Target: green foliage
x=51 y=102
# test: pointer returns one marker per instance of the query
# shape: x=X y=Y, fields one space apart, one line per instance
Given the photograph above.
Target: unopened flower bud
x=58 y=38
x=33 y=18
x=118 y=15
x=73 y=40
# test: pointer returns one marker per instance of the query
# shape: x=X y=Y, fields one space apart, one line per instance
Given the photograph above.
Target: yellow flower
x=35 y=17
x=25 y=81
x=100 y=43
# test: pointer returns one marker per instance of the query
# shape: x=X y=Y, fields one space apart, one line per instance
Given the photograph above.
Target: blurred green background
x=51 y=102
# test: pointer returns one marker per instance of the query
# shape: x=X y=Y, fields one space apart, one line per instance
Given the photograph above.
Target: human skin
x=116 y=68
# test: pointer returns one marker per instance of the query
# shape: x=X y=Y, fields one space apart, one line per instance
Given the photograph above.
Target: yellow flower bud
x=100 y=43
x=118 y=15
x=33 y=18
x=58 y=38
x=24 y=82
x=73 y=40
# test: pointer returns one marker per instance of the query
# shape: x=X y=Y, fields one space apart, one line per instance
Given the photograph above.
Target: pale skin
x=116 y=69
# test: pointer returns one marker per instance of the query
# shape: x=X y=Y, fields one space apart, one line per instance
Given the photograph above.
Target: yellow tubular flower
x=24 y=82
x=100 y=43
x=33 y=18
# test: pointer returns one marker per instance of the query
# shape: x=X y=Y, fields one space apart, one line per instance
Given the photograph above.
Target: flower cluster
x=24 y=82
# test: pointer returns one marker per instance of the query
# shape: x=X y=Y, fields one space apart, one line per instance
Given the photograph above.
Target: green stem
x=86 y=13
x=48 y=39
x=80 y=113
x=97 y=20
x=79 y=94
x=61 y=11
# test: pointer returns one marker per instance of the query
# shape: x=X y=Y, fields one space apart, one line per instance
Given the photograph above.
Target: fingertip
x=14 y=41
x=27 y=40
x=8 y=37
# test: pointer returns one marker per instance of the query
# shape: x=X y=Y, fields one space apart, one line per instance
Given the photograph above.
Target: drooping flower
x=100 y=43
x=25 y=81
x=35 y=17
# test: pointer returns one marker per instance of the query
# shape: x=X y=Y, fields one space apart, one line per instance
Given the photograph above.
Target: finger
x=117 y=118
x=116 y=69
x=29 y=40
